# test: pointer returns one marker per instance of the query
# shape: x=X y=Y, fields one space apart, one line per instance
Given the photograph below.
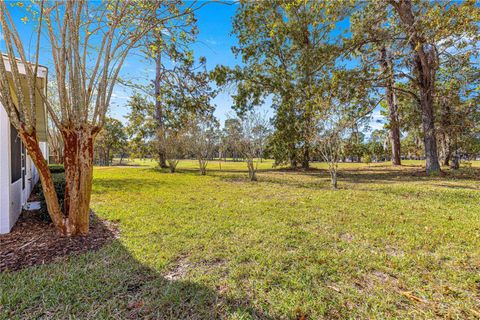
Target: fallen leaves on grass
x=412 y=297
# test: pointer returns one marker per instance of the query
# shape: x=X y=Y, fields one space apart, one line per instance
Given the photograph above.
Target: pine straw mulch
x=35 y=242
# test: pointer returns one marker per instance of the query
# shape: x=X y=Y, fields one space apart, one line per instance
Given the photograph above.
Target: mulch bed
x=36 y=242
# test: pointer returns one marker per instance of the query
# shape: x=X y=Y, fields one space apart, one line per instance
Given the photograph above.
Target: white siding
x=4 y=172
x=12 y=195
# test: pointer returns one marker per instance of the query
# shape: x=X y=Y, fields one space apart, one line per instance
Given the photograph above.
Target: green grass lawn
x=390 y=243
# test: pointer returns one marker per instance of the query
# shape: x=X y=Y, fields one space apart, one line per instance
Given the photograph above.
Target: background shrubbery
x=56 y=168
x=59 y=181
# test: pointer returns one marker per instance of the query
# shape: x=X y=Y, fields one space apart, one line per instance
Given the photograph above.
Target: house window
x=24 y=166
x=15 y=154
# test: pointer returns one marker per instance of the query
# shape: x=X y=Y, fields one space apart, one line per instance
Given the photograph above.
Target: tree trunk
x=53 y=206
x=455 y=162
x=308 y=126
x=395 y=132
x=293 y=156
x=172 y=164
x=429 y=136
x=392 y=107
x=108 y=162
x=162 y=158
x=446 y=114
x=293 y=163
x=306 y=156
x=446 y=150
x=203 y=166
x=251 y=170
x=425 y=65
x=78 y=177
x=333 y=178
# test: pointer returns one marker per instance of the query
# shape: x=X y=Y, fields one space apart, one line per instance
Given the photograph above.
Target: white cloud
x=211 y=42
x=377 y=121
x=120 y=96
x=456 y=44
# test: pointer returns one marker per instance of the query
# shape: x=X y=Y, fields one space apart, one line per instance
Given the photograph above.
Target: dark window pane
x=15 y=154
x=24 y=165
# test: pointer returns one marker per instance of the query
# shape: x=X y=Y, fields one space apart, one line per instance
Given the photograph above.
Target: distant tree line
x=416 y=60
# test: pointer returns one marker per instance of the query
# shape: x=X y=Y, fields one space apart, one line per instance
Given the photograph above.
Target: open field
x=390 y=243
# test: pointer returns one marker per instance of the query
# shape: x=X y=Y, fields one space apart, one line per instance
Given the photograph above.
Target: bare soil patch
x=36 y=242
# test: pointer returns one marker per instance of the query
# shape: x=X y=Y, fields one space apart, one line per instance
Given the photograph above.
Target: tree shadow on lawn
x=315 y=178
x=111 y=283
x=375 y=174
x=195 y=171
x=389 y=175
x=105 y=185
x=364 y=174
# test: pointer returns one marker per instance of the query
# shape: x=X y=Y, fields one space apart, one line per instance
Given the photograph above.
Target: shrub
x=367 y=158
x=56 y=168
x=59 y=182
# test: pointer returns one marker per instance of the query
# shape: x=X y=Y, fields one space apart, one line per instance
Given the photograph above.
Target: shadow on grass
x=104 y=185
x=366 y=175
x=318 y=178
x=111 y=283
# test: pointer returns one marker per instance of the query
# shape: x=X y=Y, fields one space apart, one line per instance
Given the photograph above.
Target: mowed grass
x=390 y=243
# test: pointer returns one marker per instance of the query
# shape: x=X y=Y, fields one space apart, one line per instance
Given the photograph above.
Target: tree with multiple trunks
x=432 y=31
x=343 y=101
x=254 y=128
x=175 y=147
x=405 y=41
x=88 y=43
x=202 y=139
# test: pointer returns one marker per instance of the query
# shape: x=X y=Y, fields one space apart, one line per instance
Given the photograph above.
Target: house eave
x=41 y=110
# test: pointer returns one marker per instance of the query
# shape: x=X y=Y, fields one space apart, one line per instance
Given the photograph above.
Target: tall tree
x=285 y=46
x=186 y=93
x=89 y=42
x=428 y=28
x=411 y=40
x=456 y=107
x=110 y=141
x=170 y=41
x=375 y=41
x=391 y=95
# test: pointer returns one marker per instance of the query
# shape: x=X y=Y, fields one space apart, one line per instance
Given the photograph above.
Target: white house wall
x=16 y=202
x=4 y=171
x=12 y=195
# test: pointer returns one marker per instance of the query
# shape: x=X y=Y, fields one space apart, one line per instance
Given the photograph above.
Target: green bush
x=56 y=168
x=367 y=158
x=59 y=182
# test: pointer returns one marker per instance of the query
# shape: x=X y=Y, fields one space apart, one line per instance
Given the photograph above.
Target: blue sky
x=214 y=42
